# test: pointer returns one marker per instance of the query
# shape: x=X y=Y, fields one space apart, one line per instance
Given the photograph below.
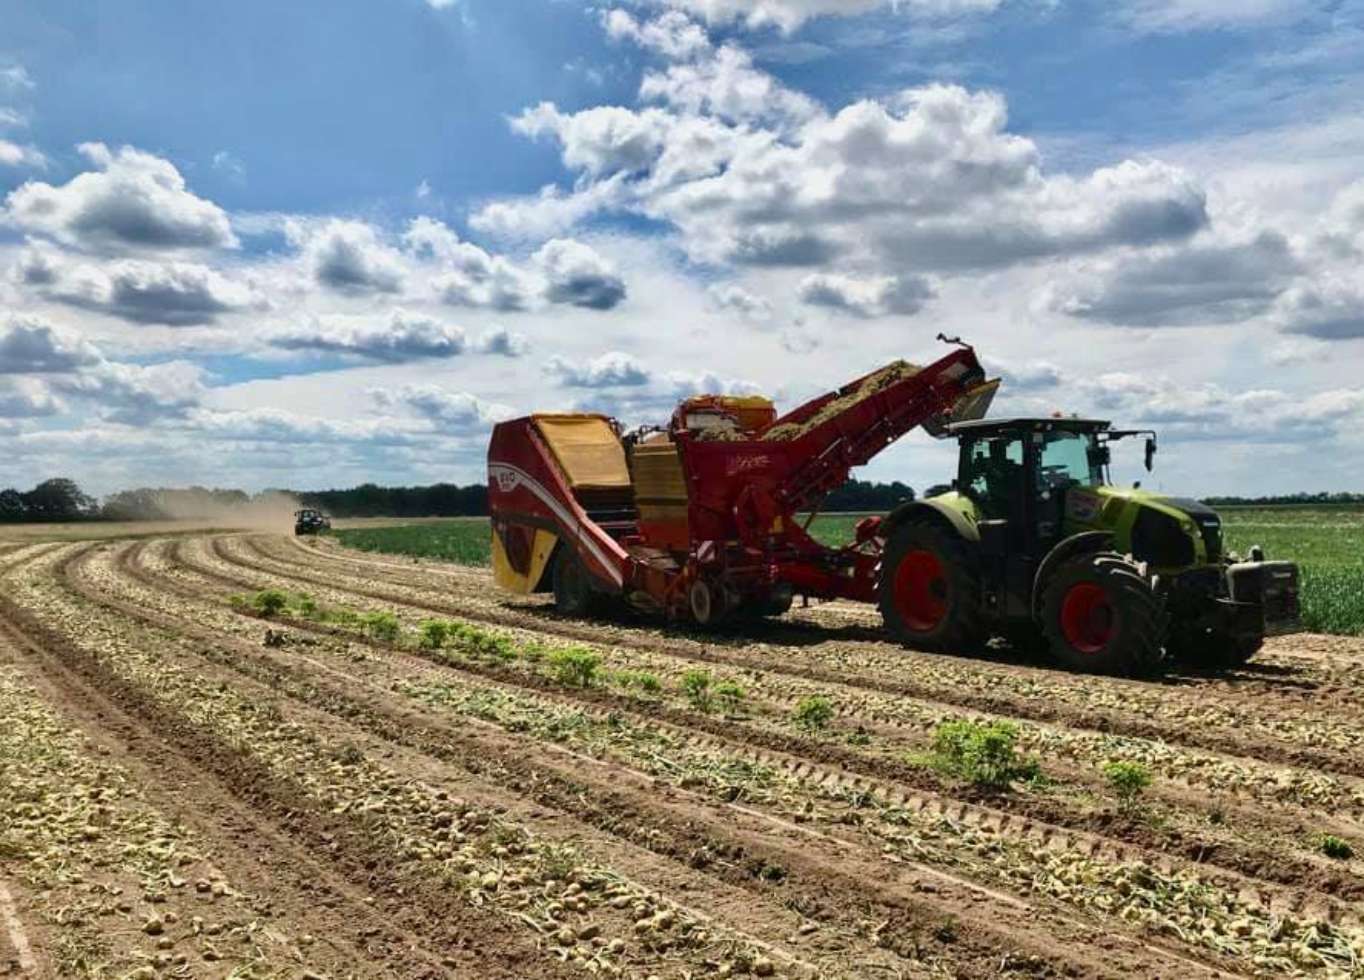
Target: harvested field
x=419 y=777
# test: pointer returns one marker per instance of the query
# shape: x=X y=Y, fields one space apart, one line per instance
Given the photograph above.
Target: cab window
x=1068 y=459
x=994 y=474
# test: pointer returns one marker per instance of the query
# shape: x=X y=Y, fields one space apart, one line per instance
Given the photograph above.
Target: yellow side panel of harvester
x=587 y=450
x=509 y=578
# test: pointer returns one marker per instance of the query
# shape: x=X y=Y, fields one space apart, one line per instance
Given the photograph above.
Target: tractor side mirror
x=1150 y=453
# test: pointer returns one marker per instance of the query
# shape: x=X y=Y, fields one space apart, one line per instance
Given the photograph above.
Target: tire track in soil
x=16 y=949
x=857 y=876
x=1287 y=670
x=1283 y=672
x=272 y=878
x=1280 y=822
x=1285 y=813
x=1307 y=873
x=713 y=650
x=400 y=724
x=1296 y=901
x=252 y=807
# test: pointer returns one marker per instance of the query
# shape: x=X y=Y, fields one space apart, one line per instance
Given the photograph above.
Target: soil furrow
x=250 y=871
x=1196 y=773
x=943 y=886
x=1091 y=845
x=1203 y=726
x=426 y=908
x=344 y=766
x=1268 y=862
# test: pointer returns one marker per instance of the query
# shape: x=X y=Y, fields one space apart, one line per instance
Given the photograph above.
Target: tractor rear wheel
x=573 y=593
x=930 y=589
x=1102 y=616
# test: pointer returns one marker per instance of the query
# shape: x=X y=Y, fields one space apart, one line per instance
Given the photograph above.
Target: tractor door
x=1068 y=463
x=996 y=475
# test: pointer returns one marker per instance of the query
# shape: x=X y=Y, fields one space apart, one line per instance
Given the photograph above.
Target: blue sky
x=312 y=244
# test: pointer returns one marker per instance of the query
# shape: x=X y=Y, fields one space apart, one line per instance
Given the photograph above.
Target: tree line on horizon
x=62 y=499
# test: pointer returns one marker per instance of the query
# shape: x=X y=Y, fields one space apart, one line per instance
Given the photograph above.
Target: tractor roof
x=988 y=427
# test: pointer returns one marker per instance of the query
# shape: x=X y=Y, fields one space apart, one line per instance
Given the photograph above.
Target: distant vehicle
x=311 y=521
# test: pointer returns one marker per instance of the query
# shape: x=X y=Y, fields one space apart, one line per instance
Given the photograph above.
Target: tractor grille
x=1160 y=540
x=1209 y=524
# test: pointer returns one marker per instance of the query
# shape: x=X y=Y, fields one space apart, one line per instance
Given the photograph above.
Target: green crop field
x=1328 y=542
x=462 y=541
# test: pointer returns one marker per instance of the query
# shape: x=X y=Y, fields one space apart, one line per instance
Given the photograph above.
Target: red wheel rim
x=921 y=590
x=1088 y=620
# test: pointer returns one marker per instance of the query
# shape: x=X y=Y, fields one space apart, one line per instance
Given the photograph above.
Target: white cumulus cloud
x=131 y=199
x=613 y=369
x=877 y=296
x=16 y=155
x=404 y=336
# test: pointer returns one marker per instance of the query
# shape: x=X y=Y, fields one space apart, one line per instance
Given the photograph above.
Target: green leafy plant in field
x=343 y=617
x=575 y=666
x=696 y=687
x=1128 y=781
x=1335 y=847
x=269 y=602
x=432 y=634
x=642 y=681
x=479 y=642
x=982 y=753
x=814 y=713
x=730 y=696
x=381 y=626
x=306 y=606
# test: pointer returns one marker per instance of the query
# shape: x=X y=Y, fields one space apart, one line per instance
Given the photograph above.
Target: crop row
x=109 y=874
x=1127 y=890
x=1292 y=722
x=583 y=912
x=902 y=723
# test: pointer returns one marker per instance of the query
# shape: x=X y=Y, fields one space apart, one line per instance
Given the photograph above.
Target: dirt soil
x=342 y=790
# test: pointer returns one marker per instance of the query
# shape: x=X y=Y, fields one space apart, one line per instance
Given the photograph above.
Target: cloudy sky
x=314 y=244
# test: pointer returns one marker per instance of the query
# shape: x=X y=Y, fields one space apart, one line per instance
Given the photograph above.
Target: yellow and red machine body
x=650 y=515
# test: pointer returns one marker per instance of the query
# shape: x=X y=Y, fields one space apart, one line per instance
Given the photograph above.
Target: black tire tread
x=964 y=631
x=1139 y=649
x=569 y=598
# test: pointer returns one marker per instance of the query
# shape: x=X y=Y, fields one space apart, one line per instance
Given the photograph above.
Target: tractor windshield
x=1069 y=459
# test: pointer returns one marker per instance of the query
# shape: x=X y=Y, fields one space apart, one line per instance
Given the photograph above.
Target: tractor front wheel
x=573 y=593
x=1101 y=616
x=930 y=589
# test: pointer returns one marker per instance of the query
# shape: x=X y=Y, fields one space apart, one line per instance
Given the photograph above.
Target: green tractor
x=1035 y=544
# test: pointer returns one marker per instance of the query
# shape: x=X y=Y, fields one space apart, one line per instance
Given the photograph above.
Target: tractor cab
x=1044 y=477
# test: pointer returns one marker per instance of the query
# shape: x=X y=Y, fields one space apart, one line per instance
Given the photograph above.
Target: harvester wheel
x=1102 y=616
x=573 y=594
x=930 y=589
x=709 y=603
x=1213 y=648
